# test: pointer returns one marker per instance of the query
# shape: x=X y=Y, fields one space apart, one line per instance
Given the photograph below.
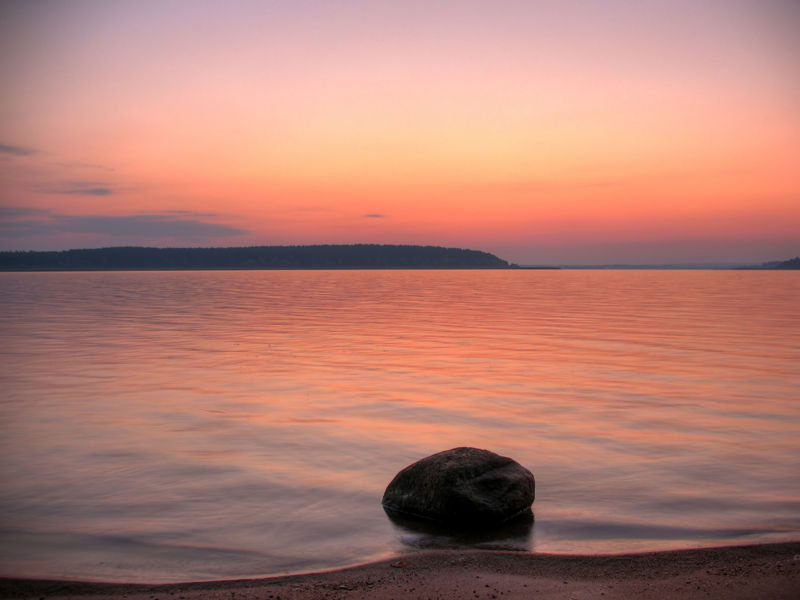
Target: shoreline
x=770 y=570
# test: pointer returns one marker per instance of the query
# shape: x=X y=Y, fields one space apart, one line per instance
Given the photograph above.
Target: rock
x=416 y=532
x=462 y=487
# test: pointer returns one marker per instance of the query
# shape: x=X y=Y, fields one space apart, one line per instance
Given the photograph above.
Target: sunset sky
x=545 y=132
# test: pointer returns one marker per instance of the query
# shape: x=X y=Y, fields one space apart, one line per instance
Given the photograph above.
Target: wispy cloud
x=20 y=222
x=16 y=150
x=83 y=165
x=13 y=212
x=23 y=222
x=375 y=216
x=189 y=213
x=148 y=225
x=81 y=188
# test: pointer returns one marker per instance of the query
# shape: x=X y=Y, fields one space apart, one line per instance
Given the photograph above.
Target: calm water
x=204 y=425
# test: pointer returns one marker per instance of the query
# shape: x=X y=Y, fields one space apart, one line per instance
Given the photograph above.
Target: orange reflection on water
x=265 y=412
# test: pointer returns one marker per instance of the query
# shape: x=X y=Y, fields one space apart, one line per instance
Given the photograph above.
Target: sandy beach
x=764 y=571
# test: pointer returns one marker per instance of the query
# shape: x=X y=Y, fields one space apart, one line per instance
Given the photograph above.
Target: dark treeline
x=793 y=263
x=357 y=256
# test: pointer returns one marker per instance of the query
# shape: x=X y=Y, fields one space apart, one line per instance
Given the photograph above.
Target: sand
x=763 y=572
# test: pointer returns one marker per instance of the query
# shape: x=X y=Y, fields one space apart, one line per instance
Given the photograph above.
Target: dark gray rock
x=416 y=532
x=462 y=487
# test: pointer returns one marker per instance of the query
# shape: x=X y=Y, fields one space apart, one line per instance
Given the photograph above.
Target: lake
x=196 y=425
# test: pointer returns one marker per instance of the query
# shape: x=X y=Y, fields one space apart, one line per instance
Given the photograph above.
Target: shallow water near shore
x=173 y=426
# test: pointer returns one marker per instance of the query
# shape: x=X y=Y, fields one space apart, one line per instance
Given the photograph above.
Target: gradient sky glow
x=545 y=132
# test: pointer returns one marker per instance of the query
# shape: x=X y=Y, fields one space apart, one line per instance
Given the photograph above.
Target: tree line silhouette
x=355 y=256
x=793 y=263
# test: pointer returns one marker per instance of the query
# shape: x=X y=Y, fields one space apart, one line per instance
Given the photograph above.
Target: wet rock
x=416 y=532
x=462 y=487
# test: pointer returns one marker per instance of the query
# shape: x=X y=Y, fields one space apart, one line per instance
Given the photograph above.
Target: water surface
x=172 y=426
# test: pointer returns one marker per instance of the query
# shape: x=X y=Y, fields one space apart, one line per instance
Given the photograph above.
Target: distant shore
x=353 y=256
x=172 y=269
x=314 y=257
x=734 y=573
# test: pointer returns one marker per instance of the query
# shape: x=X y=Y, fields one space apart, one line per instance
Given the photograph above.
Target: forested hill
x=793 y=263
x=357 y=256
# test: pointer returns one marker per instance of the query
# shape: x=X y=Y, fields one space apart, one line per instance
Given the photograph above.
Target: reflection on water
x=514 y=534
x=200 y=425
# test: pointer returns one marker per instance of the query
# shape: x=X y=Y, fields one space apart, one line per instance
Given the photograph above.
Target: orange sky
x=560 y=133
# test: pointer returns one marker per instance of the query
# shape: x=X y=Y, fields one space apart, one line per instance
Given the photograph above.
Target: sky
x=569 y=132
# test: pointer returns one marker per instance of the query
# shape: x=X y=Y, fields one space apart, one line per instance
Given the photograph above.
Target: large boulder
x=462 y=487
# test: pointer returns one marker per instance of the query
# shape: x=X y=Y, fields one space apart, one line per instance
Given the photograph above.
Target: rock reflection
x=514 y=534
